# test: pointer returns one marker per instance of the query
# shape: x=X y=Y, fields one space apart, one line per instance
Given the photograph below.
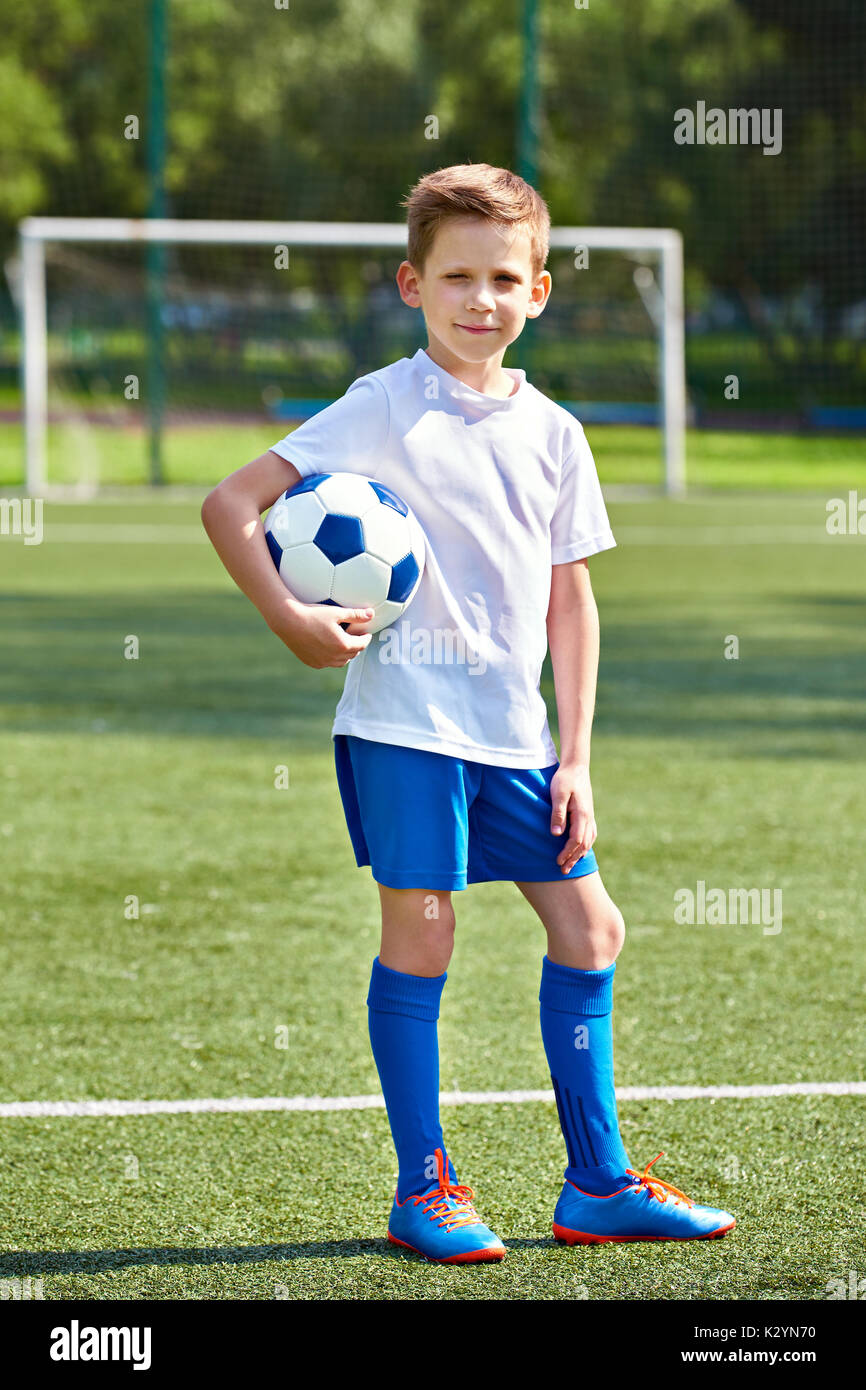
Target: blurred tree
x=777 y=232
x=324 y=110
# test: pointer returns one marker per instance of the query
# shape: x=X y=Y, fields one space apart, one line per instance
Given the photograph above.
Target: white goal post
x=663 y=297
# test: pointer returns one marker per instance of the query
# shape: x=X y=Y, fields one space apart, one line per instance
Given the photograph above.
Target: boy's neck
x=487 y=377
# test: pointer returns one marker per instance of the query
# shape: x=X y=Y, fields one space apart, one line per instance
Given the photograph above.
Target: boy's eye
x=458 y=275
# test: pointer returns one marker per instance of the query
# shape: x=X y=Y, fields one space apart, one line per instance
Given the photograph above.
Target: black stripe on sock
x=595 y=1163
x=576 y=1131
x=563 y=1124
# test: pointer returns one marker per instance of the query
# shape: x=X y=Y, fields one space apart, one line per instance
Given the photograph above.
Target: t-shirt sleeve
x=579 y=526
x=348 y=436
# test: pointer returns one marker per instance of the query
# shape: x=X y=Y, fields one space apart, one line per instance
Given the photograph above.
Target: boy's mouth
x=467 y=329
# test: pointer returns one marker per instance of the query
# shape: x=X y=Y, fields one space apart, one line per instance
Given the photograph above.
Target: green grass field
x=155 y=778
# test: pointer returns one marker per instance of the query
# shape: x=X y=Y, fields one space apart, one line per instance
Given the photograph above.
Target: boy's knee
x=438 y=925
x=417 y=930
x=606 y=937
x=615 y=931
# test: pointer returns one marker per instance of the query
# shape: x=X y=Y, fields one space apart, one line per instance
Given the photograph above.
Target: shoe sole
x=567 y=1237
x=468 y=1257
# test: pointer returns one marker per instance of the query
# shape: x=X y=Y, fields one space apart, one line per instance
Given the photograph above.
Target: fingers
x=354 y=641
x=351 y=646
x=559 y=803
x=344 y=616
x=581 y=839
x=357 y=644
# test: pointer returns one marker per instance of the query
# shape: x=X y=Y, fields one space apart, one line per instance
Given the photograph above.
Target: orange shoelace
x=437 y=1203
x=657 y=1187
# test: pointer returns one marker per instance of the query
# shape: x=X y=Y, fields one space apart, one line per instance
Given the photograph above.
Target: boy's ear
x=407 y=284
x=540 y=295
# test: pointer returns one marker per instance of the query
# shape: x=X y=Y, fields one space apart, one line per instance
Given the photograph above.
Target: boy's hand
x=571 y=797
x=314 y=633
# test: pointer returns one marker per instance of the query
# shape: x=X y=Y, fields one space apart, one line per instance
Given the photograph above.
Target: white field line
x=39 y=1109
x=146 y=533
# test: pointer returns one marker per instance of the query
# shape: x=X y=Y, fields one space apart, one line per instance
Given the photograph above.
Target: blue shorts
x=427 y=820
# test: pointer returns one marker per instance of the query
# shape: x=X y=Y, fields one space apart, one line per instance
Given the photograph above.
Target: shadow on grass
x=20 y=1263
x=208 y=667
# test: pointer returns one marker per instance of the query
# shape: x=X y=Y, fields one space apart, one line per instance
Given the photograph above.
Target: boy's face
x=477 y=277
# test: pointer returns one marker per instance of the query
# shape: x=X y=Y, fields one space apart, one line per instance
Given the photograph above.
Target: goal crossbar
x=663 y=242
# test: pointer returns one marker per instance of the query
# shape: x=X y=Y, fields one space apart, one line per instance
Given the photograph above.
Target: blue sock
x=576 y=1013
x=402 y=1011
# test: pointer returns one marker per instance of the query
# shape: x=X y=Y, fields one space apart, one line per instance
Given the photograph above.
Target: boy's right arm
x=232 y=516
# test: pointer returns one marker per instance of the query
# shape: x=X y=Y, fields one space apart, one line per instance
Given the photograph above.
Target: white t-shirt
x=503 y=489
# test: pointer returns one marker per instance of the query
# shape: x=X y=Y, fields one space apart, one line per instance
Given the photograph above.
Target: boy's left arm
x=573 y=639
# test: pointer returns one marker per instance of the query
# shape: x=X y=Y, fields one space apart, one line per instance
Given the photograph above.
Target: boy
x=448 y=773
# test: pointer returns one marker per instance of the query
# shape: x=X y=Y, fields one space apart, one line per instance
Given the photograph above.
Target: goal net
x=173 y=351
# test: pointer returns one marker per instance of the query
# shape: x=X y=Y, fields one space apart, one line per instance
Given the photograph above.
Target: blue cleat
x=647 y=1209
x=442 y=1224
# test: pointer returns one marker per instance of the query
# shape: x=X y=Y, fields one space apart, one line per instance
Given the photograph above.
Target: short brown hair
x=480 y=190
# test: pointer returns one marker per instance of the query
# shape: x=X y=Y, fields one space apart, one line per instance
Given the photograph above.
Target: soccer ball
x=345 y=539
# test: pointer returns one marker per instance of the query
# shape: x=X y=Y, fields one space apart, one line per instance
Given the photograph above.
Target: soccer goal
x=163 y=350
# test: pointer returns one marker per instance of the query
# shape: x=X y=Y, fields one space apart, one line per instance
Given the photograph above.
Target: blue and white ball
x=345 y=539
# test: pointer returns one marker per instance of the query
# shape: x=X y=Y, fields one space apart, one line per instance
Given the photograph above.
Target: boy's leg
x=407 y=840
x=403 y=1008
x=431 y=1214
x=585 y=932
